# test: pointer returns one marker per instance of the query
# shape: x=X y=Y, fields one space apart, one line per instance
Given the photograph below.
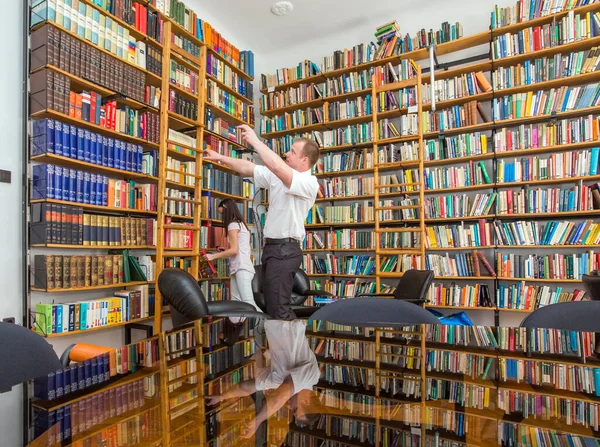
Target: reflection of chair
x=25 y=355
x=374 y=312
x=413 y=287
x=301 y=291
x=80 y=352
x=187 y=302
x=573 y=316
x=592 y=284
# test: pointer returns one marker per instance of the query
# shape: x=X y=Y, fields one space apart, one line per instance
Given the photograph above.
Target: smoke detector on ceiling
x=281 y=8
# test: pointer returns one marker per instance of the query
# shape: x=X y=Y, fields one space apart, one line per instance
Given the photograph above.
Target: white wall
x=11 y=235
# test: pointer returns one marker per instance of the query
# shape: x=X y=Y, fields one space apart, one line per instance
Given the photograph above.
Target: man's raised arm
x=243 y=167
x=272 y=161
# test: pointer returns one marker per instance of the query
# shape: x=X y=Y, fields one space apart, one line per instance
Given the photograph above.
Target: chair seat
x=305 y=311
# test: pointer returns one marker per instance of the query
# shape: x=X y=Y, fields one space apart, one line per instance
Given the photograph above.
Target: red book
x=207 y=269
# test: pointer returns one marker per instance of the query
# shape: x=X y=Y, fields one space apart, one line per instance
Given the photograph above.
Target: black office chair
x=412 y=287
x=187 y=302
x=301 y=291
x=374 y=312
x=592 y=284
x=581 y=316
x=25 y=355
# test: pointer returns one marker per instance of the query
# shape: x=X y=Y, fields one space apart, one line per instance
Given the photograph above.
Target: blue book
x=80 y=144
x=73 y=142
x=59 y=329
x=73 y=377
x=80 y=375
x=60 y=415
x=58 y=182
x=104 y=151
x=102 y=156
x=66 y=425
x=127 y=157
x=82 y=325
x=58 y=139
x=43 y=137
x=66 y=174
x=99 y=188
x=45 y=387
x=94 y=370
x=111 y=152
x=594 y=161
x=72 y=189
x=87 y=368
x=119 y=155
x=106 y=361
x=86 y=146
x=79 y=187
x=66 y=140
x=93 y=148
x=105 y=191
x=86 y=188
x=93 y=187
x=43 y=182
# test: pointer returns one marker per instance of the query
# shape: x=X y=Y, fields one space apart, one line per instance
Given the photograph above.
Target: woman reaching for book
x=240 y=264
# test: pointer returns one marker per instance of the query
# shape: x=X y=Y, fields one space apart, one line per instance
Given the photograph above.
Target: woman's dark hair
x=231 y=213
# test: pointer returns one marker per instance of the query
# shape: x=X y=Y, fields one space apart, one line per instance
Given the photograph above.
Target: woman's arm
x=233 y=249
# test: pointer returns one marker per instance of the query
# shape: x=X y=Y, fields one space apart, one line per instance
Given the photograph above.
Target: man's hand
x=248 y=135
x=210 y=155
x=249 y=428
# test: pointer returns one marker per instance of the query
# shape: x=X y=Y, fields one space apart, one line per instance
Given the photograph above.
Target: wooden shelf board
x=229 y=89
x=339 y=275
x=450 y=161
x=458 y=189
x=547 y=149
x=587 y=178
x=177 y=185
x=180 y=155
x=80 y=289
x=447 y=103
x=348 y=172
x=295 y=131
x=483 y=247
x=435 y=306
x=342 y=224
x=548 y=215
x=460 y=130
x=95 y=247
x=474 y=278
x=505 y=278
x=95 y=329
x=368 y=250
x=221 y=137
x=181 y=91
x=454 y=72
x=81 y=123
x=455 y=219
x=554 y=247
x=106 y=209
x=290 y=108
x=180 y=53
x=178 y=122
x=224 y=194
x=399 y=139
x=333 y=199
x=91 y=167
x=537 y=118
x=307 y=80
x=346 y=147
x=554 y=83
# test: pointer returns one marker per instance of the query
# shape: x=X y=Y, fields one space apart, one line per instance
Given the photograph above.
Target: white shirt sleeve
x=262 y=176
x=305 y=376
x=305 y=186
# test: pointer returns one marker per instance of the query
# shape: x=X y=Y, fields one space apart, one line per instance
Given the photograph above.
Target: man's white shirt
x=288 y=207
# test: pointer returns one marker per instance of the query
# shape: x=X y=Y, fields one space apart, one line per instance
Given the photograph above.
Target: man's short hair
x=310 y=149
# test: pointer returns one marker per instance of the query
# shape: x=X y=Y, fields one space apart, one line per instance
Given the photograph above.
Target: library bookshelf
x=153 y=114
x=478 y=213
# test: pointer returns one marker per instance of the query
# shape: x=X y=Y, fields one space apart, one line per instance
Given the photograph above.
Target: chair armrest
x=229 y=306
x=242 y=314
x=312 y=292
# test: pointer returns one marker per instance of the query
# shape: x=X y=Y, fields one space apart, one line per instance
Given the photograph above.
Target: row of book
x=184 y=77
x=68 y=225
x=68 y=271
x=346 y=187
x=228 y=102
x=468 y=84
x=343 y=287
x=50 y=46
x=552 y=200
x=221 y=127
x=124 y=306
x=453 y=295
x=341 y=265
x=218 y=69
x=459 y=264
x=52 y=182
x=555 y=266
x=338 y=162
x=181 y=172
x=89 y=24
x=571 y=28
x=220 y=181
x=56 y=137
x=358 y=212
x=346 y=238
x=179 y=203
x=525 y=10
x=51 y=90
x=182 y=105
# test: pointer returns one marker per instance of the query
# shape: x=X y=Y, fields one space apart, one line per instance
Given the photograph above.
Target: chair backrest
x=413 y=285
x=573 y=316
x=183 y=293
x=592 y=284
x=299 y=289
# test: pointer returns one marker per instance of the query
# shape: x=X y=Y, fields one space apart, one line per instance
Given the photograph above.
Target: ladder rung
x=176 y=199
x=397 y=185
x=398 y=207
x=181 y=227
x=399 y=230
x=186 y=174
x=400 y=252
x=180 y=252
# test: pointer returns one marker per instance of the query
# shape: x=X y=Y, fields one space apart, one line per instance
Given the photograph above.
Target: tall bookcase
x=462 y=164
x=160 y=108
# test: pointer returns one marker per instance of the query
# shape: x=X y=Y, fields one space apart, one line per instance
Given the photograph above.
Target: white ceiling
x=263 y=32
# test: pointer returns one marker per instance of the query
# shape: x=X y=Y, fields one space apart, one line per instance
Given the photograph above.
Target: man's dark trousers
x=281 y=260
